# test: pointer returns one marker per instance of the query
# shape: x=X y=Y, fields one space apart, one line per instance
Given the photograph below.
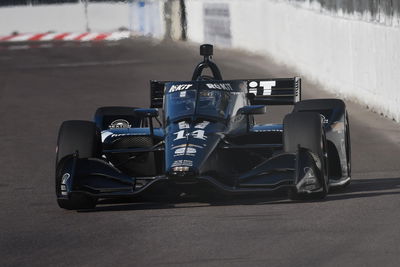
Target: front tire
x=337 y=107
x=80 y=137
x=306 y=130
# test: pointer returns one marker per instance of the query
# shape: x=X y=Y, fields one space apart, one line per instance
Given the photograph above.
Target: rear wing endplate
x=156 y=94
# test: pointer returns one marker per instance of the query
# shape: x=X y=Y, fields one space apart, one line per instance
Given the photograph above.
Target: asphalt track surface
x=40 y=88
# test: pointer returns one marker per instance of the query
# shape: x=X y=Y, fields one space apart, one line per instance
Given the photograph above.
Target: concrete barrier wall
x=142 y=17
x=67 y=17
x=349 y=53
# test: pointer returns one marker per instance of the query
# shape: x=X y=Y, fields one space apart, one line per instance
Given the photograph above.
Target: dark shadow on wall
x=51 y=2
x=374 y=7
x=35 y=2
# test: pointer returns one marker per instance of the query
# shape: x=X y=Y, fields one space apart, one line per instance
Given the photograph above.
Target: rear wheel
x=80 y=137
x=118 y=117
x=305 y=129
x=134 y=164
x=320 y=104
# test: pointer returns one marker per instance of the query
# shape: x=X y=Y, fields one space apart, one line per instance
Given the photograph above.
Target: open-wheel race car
x=206 y=141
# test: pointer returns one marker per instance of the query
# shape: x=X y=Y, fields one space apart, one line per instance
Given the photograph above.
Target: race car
x=200 y=136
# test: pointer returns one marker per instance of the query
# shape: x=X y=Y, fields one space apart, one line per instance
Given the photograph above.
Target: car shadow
x=359 y=188
x=191 y=201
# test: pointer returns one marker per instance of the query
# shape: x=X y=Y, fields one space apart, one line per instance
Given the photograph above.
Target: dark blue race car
x=206 y=140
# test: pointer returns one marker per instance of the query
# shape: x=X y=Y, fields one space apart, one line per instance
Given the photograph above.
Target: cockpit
x=201 y=103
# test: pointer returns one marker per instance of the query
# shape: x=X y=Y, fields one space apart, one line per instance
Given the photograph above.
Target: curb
x=66 y=36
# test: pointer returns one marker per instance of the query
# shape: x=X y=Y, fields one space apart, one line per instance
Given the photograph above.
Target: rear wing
x=282 y=91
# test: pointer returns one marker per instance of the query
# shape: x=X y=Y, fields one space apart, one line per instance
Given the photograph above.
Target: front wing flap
x=91 y=176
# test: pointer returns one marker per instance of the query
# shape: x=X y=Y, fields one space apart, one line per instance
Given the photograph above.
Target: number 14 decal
x=198 y=134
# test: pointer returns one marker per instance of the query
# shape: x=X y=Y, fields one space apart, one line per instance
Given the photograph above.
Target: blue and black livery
x=206 y=140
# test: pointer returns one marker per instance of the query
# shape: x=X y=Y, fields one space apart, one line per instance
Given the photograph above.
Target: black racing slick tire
x=339 y=107
x=80 y=137
x=108 y=117
x=319 y=104
x=305 y=129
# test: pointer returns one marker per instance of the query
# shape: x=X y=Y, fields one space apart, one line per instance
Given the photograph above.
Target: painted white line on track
x=19 y=47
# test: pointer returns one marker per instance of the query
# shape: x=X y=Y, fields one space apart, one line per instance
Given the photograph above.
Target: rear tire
x=306 y=129
x=320 y=104
x=105 y=116
x=82 y=137
x=144 y=163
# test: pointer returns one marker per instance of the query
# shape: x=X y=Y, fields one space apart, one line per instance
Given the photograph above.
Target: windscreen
x=206 y=103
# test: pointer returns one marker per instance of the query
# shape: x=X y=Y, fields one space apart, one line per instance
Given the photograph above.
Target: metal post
x=86 y=4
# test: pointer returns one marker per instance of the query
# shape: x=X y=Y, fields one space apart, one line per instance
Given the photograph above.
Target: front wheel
x=82 y=137
x=305 y=130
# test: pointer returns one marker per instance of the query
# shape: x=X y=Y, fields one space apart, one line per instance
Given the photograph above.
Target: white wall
x=108 y=17
x=67 y=17
x=356 y=59
x=145 y=19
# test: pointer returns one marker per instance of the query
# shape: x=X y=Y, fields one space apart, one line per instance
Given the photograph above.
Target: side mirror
x=147 y=112
x=253 y=110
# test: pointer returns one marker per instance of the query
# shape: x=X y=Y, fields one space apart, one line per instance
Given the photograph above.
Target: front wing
x=97 y=178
